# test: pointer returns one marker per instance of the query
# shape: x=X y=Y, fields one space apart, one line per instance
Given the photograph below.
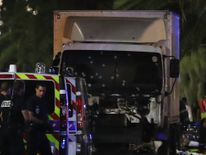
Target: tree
x=27 y=33
x=193 y=38
x=22 y=36
x=140 y=4
x=193 y=21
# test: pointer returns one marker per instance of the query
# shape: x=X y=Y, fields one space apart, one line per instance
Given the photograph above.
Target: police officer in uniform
x=18 y=118
x=11 y=123
x=38 y=115
x=5 y=105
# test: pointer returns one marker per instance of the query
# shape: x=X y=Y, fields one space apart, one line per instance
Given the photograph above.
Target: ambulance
x=67 y=96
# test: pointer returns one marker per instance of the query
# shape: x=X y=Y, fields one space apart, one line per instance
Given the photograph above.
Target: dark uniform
x=202 y=135
x=16 y=126
x=37 y=140
x=5 y=105
x=184 y=116
x=11 y=125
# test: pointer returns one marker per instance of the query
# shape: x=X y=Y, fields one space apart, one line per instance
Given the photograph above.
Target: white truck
x=130 y=62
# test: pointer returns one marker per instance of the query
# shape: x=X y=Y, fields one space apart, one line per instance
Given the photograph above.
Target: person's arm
x=30 y=111
x=25 y=114
x=24 y=110
x=34 y=119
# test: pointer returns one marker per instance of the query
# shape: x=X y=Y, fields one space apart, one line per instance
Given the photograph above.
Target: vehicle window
x=49 y=95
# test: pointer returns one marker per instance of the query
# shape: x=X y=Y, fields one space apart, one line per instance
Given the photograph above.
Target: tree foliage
x=193 y=38
x=193 y=73
x=193 y=22
x=140 y=4
x=27 y=36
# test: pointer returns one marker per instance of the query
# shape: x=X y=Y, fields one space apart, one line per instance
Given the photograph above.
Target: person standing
x=202 y=135
x=11 y=119
x=5 y=105
x=38 y=116
x=17 y=120
x=184 y=116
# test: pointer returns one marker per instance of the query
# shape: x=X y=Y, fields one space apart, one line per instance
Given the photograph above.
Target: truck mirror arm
x=174 y=71
x=170 y=91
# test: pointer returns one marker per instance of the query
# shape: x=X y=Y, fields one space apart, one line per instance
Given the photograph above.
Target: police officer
x=38 y=115
x=18 y=117
x=11 y=123
x=5 y=104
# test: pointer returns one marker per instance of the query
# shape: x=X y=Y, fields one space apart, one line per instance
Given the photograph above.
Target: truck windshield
x=116 y=72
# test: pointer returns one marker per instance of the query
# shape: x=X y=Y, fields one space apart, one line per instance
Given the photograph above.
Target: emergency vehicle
x=67 y=106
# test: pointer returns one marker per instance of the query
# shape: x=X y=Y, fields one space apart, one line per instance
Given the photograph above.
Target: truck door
x=77 y=124
x=70 y=89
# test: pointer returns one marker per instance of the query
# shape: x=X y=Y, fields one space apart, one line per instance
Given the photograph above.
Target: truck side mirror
x=174 y=68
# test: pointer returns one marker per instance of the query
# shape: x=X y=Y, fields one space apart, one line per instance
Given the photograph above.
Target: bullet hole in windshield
x=154 y=59
x=117 y=75
x=112 y=77
x=83 y=74
x=123 y=83
x=91 y=77
x=100 y=77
